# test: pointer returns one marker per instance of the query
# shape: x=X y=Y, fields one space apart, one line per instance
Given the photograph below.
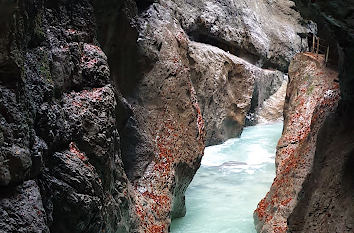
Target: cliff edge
x=312 y=94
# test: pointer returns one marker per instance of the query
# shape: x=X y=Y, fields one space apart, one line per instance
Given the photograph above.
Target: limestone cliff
x=327 y=194
x=182 y=94
x=272 y=108
x=312 y=94
x=226 y=87
x=262 y=32
x=106 y=106
x=324 y=193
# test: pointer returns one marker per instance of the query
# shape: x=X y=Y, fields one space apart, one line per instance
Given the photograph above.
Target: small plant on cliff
x=310 y=90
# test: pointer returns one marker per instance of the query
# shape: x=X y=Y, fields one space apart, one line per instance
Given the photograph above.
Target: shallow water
x=232 y=179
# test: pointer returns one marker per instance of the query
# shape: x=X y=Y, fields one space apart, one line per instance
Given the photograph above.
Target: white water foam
x=232 y=179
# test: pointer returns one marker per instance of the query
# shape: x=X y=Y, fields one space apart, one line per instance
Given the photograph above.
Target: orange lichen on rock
x=200 y=121
x=154 y=202
x=74 y=150
x=311 y=95
x=261 y=208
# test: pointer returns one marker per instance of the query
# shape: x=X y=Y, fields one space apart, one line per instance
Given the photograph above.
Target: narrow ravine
x=232 y=179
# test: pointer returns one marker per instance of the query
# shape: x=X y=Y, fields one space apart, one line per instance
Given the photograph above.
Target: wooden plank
x=327 y=54
x=318 y=45
x=313 y=44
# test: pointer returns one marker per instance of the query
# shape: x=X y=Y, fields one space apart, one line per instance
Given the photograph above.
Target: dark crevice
x=348 y=174
x=118 y=35
x=143 y=4
x=206 y=38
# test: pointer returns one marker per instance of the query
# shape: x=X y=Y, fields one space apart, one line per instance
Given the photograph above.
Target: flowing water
x=232 y=179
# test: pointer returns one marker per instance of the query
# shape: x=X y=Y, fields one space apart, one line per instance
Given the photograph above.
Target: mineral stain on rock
x=106 y=108
x=305 y=111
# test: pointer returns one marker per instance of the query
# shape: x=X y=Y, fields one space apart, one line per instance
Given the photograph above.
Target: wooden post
x=327 y=54
x=318 y=46
x=313 y=43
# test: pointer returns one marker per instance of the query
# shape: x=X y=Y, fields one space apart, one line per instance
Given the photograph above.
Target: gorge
x=106 y=108
x=233 y=177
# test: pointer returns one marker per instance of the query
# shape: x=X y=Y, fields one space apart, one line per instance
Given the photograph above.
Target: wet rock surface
x=272 y=108
x=326 y=203
x=327 y=194
x=312 y=95
x=21 y=209
x=61 y=169
x=106 y=107
x=167 y=119
x=228 y=88
x=263 y=32
x=265 y=89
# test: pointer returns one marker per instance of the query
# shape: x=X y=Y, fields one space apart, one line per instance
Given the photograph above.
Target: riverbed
x=232 y=179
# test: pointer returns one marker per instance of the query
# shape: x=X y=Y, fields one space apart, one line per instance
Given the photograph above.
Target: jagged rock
x=112 y=162
x=225 y=85
x=326 y=203
x=59 y=126
x=164 y=105
x=21 y=209
x=311 y=96
x=266 y=85
x=327 y=193
x=263 y=32
x=162 y=140
x=335 y=20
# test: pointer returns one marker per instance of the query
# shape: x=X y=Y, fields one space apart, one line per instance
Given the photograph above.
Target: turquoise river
x=232 y=179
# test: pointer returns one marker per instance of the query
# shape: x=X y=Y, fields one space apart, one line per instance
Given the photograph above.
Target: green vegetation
x=38 y=32
x=310 y=90
x=44 y=69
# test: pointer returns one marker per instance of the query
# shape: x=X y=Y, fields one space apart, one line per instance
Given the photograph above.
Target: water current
x=232 y=179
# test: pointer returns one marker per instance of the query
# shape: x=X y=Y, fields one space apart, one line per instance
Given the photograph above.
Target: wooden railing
x=320 y=46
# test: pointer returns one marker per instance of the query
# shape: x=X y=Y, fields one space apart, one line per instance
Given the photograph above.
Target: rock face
x=335 y=19
x=106 y=106
x=272 y=108
x=311 y=96
x=171 y=97
x=21 y=209
x=263 y=32
x=327 y=194
x=266 y=87
x=226 y=87
x=61 y=168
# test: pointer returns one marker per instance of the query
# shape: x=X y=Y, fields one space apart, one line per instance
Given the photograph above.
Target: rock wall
x=262 y=32
x=173 y=91
x=312 y=94
x=227 y=87
x=61 y=167
x=106 y=107
x=264 y=89
x=327 y=193
x=272 y=108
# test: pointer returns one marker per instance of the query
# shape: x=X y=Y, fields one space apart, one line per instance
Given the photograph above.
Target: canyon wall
x=106 y=106
x=61 y=167
x=323 y=186
x=327 y=193
x=311 y=95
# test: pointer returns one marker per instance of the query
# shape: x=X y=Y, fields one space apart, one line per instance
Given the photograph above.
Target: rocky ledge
x=312 y=95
